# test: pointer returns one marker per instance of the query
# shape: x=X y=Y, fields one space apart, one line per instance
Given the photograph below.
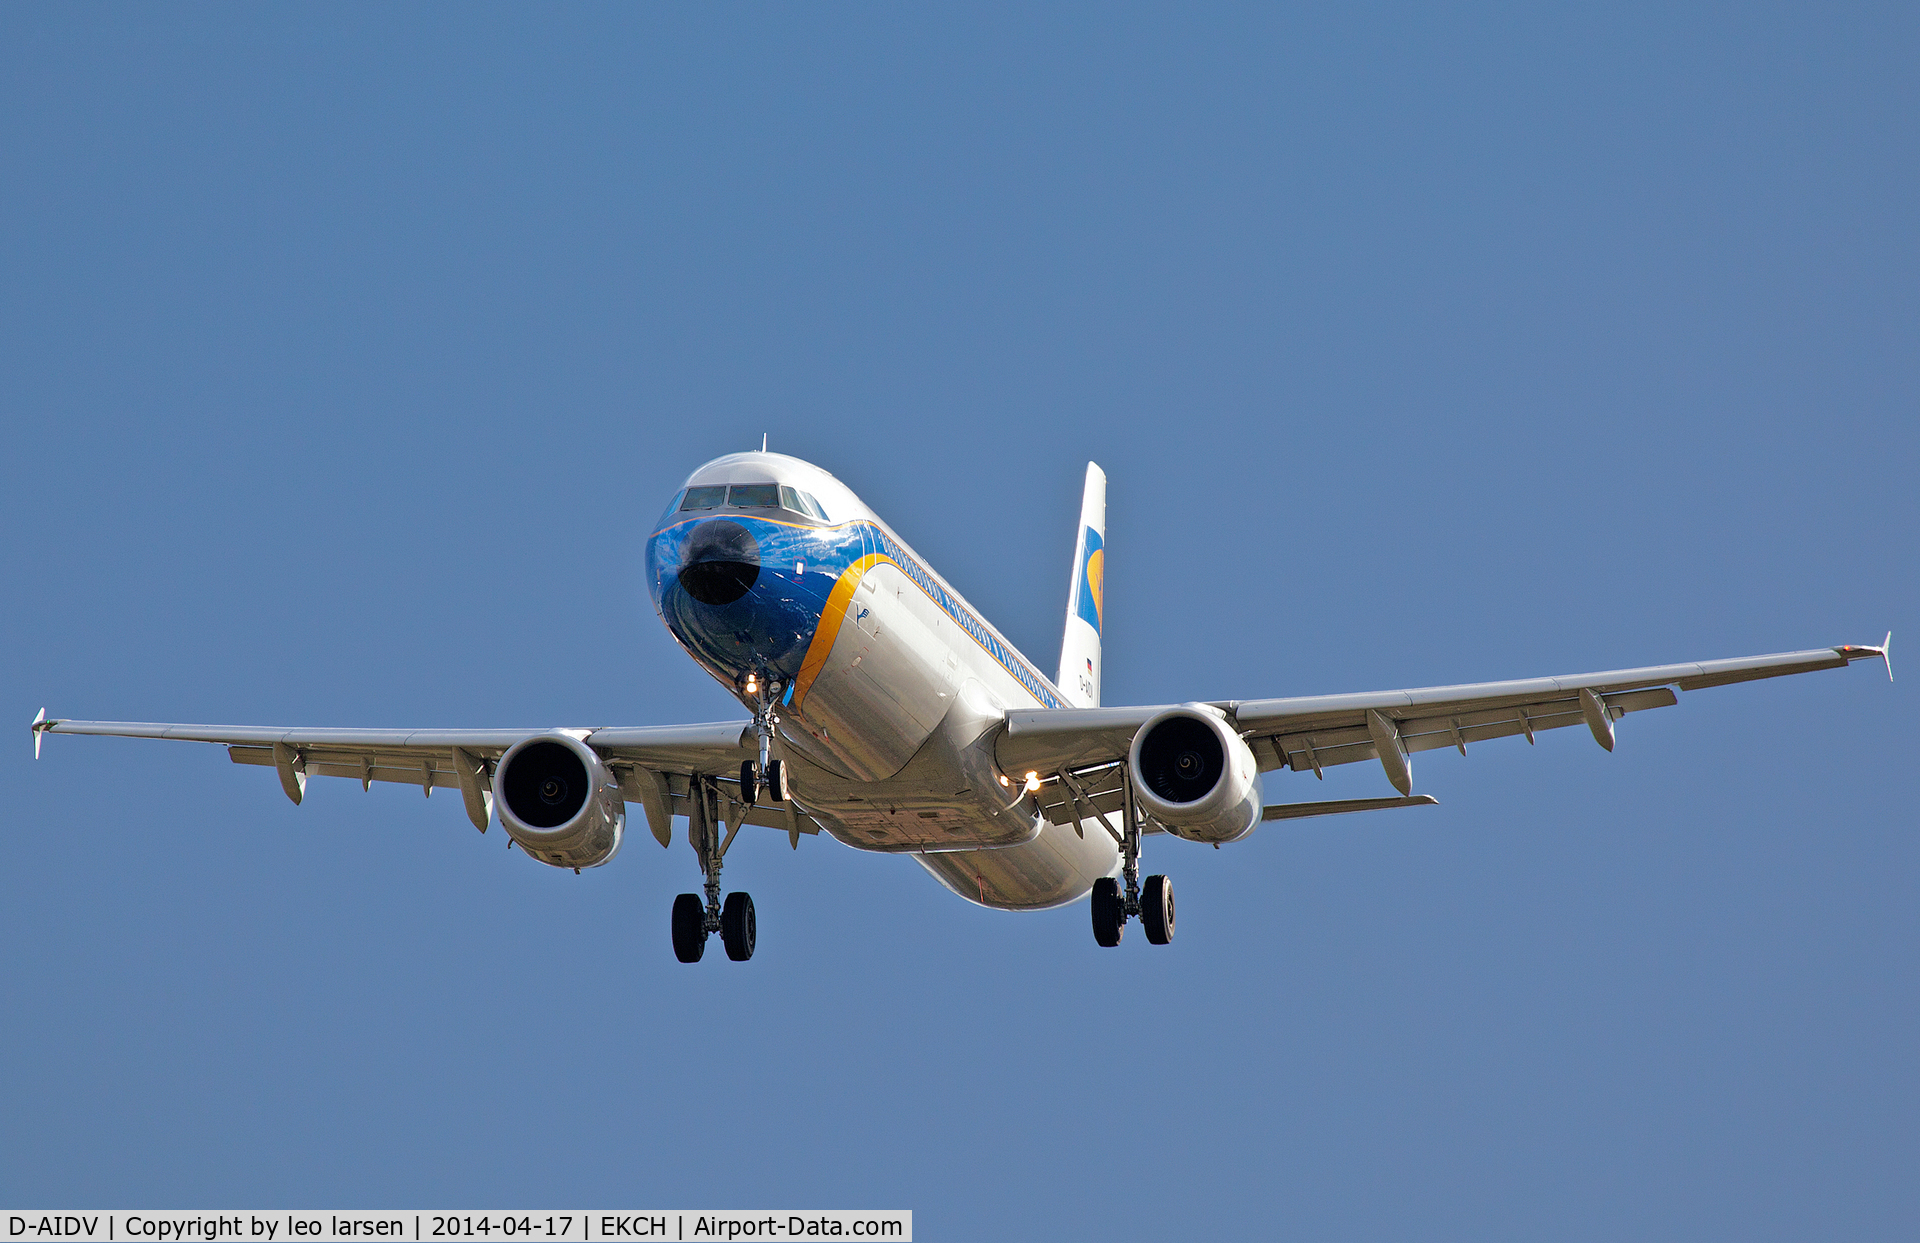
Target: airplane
x=890 y=715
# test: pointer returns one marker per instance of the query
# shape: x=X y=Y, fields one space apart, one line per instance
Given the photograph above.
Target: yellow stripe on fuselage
x=829 y=627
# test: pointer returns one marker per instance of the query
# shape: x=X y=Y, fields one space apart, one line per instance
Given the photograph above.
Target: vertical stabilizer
x=1079 y=679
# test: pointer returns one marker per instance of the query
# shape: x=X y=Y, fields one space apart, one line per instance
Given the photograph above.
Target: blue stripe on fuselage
x=1004 y=654
x=767 y=630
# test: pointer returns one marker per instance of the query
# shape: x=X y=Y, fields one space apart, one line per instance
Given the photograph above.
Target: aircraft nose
x=722 y=562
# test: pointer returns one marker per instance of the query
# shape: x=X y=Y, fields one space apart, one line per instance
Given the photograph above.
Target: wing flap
x=416 y=768
x=1103 y=789
x=1305 y=750
x=419 y=768
x=1340 y=807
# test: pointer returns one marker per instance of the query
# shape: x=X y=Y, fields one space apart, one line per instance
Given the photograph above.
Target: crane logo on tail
x=1092 y=566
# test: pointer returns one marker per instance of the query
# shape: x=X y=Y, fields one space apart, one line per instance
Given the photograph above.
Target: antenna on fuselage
x=763 y=442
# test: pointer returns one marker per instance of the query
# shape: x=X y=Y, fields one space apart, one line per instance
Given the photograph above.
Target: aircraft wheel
x=776 y=781
x=1109 y=913
x=736 y=926
x=1156 y=909
x=749 y=782
x=689 y=927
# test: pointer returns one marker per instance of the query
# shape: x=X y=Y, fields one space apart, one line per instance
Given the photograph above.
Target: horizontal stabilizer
x=1293 y=811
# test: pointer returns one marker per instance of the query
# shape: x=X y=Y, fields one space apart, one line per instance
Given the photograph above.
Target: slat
x=1046 y=740
x=714 y=749
x=487 y=741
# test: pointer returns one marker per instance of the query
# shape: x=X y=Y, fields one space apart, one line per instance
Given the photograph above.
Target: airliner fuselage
x=887 y=687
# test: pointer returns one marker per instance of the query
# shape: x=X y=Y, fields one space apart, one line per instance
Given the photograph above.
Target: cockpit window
x=801 y=503
x=754 y=495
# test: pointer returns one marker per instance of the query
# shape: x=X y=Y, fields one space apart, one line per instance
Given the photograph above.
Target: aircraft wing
x=1311 y=733
x=653 y=763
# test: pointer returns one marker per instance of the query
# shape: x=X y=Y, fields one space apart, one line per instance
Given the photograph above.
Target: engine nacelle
x=1195 y=775
x=559 y=801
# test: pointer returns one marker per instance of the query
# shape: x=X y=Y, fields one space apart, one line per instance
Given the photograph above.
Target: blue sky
x=349 y=353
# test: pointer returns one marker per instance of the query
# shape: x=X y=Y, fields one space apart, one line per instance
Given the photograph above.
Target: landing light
x=1033 y=782
x=752 y=686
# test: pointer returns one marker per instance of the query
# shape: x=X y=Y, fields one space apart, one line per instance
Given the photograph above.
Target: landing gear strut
x=1152 y=902
x=695 y=920
x=769 y=775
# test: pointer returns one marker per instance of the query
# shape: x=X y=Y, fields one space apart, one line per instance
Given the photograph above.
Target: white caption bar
x=445 y=1225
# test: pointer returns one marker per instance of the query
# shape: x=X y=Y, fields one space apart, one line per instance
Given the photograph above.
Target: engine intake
x=559 y=801
x=1195 y=775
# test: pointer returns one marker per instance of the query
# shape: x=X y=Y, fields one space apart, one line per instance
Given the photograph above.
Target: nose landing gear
x=769 y=775
x=769 y=778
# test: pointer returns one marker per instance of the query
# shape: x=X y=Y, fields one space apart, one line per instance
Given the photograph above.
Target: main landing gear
x=1151 y=902
x=694 y=918
x=693 y=923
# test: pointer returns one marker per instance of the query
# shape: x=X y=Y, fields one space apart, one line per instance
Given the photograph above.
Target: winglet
x=1852 y=652
x=40 y=724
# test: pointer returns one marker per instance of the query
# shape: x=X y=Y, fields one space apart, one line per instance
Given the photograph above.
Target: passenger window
x=754 y=495
x=704 y=498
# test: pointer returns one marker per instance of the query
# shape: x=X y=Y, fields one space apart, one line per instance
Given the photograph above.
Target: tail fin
x=1079 y=679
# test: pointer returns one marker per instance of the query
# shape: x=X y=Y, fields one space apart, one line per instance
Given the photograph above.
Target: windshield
x=801 y=503
x=754 y=495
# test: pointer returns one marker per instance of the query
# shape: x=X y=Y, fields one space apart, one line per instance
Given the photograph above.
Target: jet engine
x=559 y=801
x=1195 y=775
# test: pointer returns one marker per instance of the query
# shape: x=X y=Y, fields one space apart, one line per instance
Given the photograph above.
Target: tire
x=1156 y=909
x=1109 y=915
x=776 y=782
x=689 y=927
x=736 y=926
x=748 y=782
